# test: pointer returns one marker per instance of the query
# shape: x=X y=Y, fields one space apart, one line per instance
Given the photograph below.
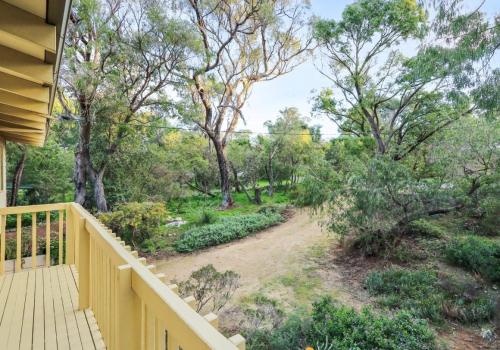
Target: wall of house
x=3 y=173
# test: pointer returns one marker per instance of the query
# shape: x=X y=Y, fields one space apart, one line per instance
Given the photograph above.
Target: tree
x=288 y=143
x=18 y=175
x=245 y=163
x=120 y=56
x=46 y=175
x=402 y=102
x=402 y=156
x=241 y=43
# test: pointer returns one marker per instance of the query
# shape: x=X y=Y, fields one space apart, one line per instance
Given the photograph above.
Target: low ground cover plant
x=426 y=228
x=342 y=328
x=225 y=230
x=477 y=254
x=427 y=295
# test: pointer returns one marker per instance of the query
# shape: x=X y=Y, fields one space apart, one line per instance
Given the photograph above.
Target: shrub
x=477 y=254
x=426 y=228
x=211 y=289
x=343 y=328
x=225 y=230
x=206 y=216
x=137 y=222
x=272 y=209
x=427 y=296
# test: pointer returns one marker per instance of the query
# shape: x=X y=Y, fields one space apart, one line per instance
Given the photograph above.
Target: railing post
x=33 y=240
x=3 y=220
x=70 y=236
x=83 y=263
x=19 y=241
x=127 y=330
x=47 y=238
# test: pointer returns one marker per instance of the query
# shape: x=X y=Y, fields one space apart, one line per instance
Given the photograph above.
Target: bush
x=272 y=209
x=477 y=254
x=225 y=230
x=137 y=223
x=426 y=296
x=211 y=289
x=426 y=228
x=342 y=328
x=206 y=216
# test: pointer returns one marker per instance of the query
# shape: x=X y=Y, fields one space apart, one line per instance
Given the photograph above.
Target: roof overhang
x=31 y=46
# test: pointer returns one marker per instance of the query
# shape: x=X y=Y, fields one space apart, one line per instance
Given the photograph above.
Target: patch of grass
x=224 y=230
x=477 y=254
x=426 y=228
x=428 y=296
x=192 y=208
x=305 y=285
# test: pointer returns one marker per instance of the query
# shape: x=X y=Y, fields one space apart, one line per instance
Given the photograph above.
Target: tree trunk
x=270 y=178
x=237 y=187
x=16 y=180
x=258 y=199
x=82 y=161
x=225 y=183
x=99 y=194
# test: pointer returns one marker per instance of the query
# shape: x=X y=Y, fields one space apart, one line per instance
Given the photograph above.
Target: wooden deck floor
x=39 y=310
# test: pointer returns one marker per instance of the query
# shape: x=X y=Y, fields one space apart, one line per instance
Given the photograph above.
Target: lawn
x=192 y=208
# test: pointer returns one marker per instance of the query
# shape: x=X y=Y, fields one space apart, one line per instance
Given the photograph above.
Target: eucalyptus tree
x=403 y=101
x=240 y=43
x=286 y=146
x=120 y=56
x=397 y=160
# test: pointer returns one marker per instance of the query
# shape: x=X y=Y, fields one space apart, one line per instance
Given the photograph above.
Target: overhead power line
x=195 y=129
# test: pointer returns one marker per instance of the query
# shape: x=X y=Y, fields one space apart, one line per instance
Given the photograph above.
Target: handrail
x=133 y=308
x=145 y=313
x=63 y=234
x=27 y=209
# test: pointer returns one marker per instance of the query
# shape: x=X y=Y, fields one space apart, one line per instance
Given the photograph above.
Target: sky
x=297 y=88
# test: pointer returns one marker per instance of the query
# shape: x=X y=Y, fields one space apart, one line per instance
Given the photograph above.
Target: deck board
x=39 y=310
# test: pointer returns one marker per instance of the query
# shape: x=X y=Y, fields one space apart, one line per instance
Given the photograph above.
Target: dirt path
x=258 y=258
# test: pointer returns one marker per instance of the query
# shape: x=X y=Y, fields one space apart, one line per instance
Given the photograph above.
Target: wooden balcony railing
x=133 y=308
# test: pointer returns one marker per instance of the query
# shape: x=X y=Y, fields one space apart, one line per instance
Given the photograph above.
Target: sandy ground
x=286 y=262
x=258 y=258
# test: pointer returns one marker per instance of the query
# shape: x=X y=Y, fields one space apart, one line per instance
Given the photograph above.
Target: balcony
x=97 y=295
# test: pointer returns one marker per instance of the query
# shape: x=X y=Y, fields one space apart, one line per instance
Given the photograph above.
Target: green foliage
x=206 y=216
x=342 y=328
x=224 y=230
x=272 y=209
x=210 y=288
x=26 y=251
x=137 y=223
x=428 y=296
x=47 y=172
x=426 y=228
x=54 y=248
x=477 y=254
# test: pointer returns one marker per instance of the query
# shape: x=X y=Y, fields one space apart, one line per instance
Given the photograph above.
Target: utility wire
x=180 y=128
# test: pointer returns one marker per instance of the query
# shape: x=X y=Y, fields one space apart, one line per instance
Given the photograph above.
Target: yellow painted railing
x=133 y=307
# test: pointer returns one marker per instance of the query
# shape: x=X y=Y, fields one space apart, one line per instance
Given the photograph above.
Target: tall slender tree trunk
x=97 y=178
x=270 y=177
x=225 y=182
x=237 y=186
x=16 y=180
x=82 y=161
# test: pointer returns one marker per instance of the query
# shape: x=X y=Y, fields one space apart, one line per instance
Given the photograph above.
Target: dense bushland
x=141 y=225
x=429 y=296
x=332 y=326
x=225 y=230
x=476 y=254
